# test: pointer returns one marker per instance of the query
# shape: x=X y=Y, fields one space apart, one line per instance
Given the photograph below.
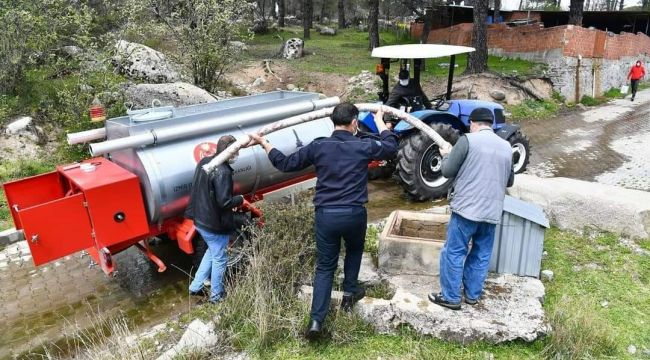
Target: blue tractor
x=418 y=161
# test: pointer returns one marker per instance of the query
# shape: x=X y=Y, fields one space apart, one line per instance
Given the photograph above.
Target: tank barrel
x=86 y=136
x=243 y=119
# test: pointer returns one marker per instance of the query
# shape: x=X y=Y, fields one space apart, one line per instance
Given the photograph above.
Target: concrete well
x=410 y=243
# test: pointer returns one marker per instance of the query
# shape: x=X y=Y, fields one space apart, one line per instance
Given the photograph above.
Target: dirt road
x=608 y=144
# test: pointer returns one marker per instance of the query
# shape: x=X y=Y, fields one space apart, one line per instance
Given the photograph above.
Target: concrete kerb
x=575 y=205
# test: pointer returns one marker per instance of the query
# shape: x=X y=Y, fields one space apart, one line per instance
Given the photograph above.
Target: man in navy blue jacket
x=341 y=164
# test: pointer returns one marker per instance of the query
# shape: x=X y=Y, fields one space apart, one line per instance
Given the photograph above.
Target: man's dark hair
x=481 y=115
x=224 y=142
x=344 y=113
x=403 y=74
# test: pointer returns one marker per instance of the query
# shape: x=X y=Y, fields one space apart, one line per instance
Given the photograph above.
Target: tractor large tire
x=520 y=151
x=419 y=164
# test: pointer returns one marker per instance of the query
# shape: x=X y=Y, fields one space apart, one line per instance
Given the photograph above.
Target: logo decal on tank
x=204 y=149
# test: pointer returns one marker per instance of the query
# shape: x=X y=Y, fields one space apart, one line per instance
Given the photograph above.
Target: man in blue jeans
x=481 y=165
x=341 y=164
x=211 y=208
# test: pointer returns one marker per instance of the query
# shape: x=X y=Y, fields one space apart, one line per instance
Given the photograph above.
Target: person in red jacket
x=637 y=72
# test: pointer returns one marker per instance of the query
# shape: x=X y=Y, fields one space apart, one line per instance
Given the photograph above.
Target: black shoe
x=632 y=98
x=201 y=292
x=469 y=301
x=348 y=301
x=438 y=299
x=314 y=330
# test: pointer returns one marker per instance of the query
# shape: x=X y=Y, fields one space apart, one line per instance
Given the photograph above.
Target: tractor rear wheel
x=520 y=151
x=419 y=164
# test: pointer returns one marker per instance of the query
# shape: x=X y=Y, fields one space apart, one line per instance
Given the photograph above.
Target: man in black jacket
x=409 y=89
x=341 y=164
x=211 y=208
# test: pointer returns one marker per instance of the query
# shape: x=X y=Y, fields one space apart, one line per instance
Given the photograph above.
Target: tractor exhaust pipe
x=319 y=114
x=244 y=119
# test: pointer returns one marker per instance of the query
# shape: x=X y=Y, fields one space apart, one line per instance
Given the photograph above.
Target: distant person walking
x=637 y=72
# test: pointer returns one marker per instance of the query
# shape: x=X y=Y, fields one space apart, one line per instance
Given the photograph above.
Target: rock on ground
x=490 y=87
x=22 y=139
x=510 y=309
x=362 y=87
x=293 y=48
x=327 y=31
x=176 y=94
x=575 y=204
x=367 y=273
x=198 y=335
x=144 y=63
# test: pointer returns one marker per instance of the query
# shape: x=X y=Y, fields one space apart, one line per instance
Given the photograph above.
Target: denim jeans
x=457 y=265
x=332 y=224
x=213 y=264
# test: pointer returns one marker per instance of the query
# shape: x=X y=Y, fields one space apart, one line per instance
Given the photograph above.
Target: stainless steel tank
x=166 y=168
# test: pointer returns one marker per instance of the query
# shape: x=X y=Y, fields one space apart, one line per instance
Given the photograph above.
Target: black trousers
x=332 y=224
x=634 y=84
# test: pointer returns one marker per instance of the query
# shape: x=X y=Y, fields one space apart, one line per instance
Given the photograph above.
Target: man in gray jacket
x=481 y=165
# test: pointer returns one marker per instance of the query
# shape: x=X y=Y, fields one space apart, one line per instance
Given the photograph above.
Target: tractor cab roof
x=419 y=51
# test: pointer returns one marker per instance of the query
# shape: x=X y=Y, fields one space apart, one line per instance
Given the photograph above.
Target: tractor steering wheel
x=438 y=102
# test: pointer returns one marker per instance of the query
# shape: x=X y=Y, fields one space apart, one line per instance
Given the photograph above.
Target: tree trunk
x=373 y=23
x=477 y=61
x=620 y=6
x=306 y=17
x=341 y=14
x=281 y=13
x=323 y=11
x=575 y=12
x=497 y=9
x=428 y=19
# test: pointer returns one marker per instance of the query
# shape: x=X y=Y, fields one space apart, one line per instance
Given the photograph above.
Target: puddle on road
x=42 y=305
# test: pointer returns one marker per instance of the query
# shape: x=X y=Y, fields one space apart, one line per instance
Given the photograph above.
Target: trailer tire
x=237 y=249
x=419 y=162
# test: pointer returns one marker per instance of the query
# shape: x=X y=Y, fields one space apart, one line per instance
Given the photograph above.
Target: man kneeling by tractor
x=418 y=162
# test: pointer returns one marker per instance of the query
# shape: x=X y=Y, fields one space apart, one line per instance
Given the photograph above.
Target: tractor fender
x=506 y=130
x=432 y=117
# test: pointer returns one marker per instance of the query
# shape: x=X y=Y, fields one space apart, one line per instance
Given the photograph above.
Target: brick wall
x=571 y=40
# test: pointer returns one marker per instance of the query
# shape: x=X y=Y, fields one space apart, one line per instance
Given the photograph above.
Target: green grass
x=583 y=329
x=532 y=109
x=613 y=93
x=347 y=53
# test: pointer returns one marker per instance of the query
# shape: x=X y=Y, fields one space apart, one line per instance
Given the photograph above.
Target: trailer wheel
x=237 y=245
x=419 y=164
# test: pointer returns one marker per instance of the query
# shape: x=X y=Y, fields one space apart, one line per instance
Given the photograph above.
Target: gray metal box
x=519 y=239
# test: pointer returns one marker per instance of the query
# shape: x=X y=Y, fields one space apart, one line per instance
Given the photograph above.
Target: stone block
x=566 y=201
x=411 y=243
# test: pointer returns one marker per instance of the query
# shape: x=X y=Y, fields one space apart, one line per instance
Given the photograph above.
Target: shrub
x=205 y=31
x=589 y=101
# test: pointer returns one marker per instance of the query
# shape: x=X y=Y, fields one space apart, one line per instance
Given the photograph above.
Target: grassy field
x=597 y=304
x=347 y=53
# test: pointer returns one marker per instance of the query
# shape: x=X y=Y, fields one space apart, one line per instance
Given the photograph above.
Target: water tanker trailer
x=137 y=184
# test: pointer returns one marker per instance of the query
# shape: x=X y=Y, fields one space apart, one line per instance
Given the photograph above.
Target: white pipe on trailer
x=319 y=114
x=86 y=136
x=182 y=131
